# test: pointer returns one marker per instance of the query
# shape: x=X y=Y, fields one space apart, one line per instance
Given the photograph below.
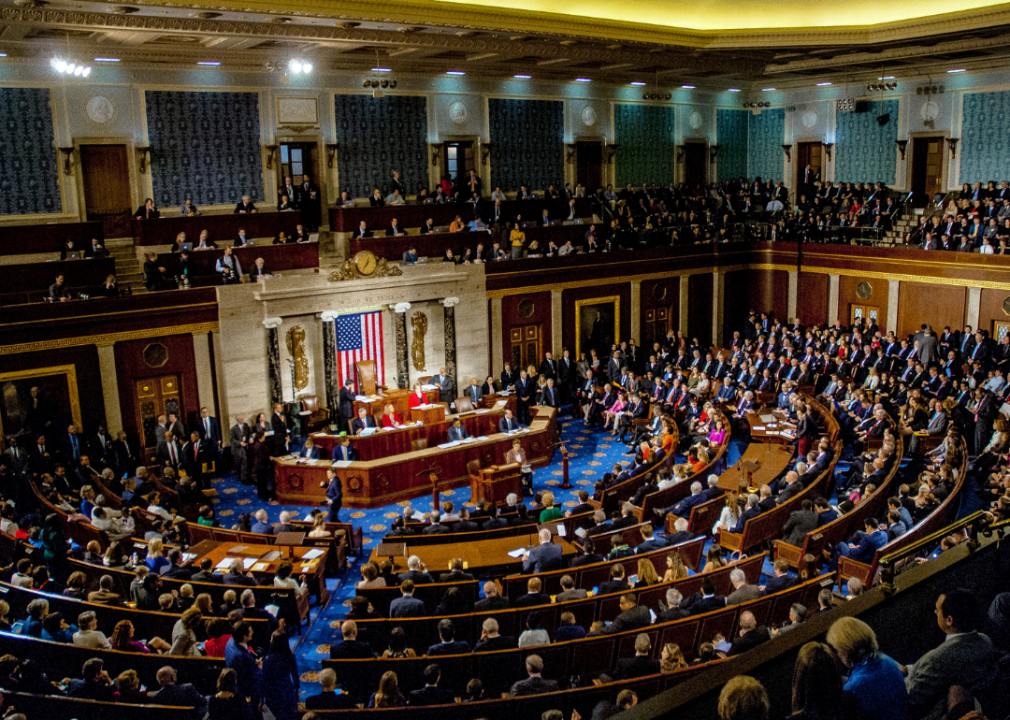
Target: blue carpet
x=592 y=452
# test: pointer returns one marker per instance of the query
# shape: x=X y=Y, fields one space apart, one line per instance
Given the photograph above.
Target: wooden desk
x=487 y=557
x=494 y=484
x=378 y=482
x=222 y=228
x=398 y=399
x=312 y=569
x=276 y=258
x=435 y=244
x=415 y=215
x=387 y=443
x=490 y=401
x=48 y=238
x=429 y=414
x=30 y=282
x=763 y=432
x=772 y=459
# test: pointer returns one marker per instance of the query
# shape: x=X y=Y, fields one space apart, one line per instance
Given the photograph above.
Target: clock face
x=365 y=262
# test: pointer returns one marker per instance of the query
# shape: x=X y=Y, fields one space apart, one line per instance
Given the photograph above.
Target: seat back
x=419 y=444
x=366 y=377
x=310 y=403
x=464 y=404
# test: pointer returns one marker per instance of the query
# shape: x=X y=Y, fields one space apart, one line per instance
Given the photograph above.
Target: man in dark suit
x=640 y=665
x=416 y=572
x=364 y=420
x=508 y=423
x=673 y=610
x=680 y=533
x=350 y=647
x=616 y=583
x=492 y=600
x=309 y=451
x=525 y=388
x=363 y=231
x=444 y=384
x=474 y=392
x=343 y=450
x=210 y=432
x=180 y=695
x=751 y=634
x=534 y=684
x=456 y=574
x=206 y=573
x=436 y=527
x=800 y=523
x=234 y=575
x=239 y=437
x=308 y=199
x=280 y=423
x=448 y=645
x=632 y=617
x=649 y=542
x=345 y=406
x=406 y=605
x=704 y=601
x=170 y=452
x=195 y=454
x=544 y=557
x=245 y=206
x=334 y=494
x=173 y=570
x=533 y=595
x=431 y=693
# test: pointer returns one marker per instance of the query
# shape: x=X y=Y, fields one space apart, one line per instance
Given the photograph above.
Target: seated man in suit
x=474 y=392
x=406 y=605
x=309 y=451
x=534 y=684
x=680 y=533
x=533 y=596
x=751 y=634
x=492 y=600
x=262 y=524
x=259 y=270
x=649 y=542
x=394 y=229
x=457 y=431
x=704 y=601
x=742 y=590
x=410 y=256
x=544 y=557
x=362 y=231
x=416 y=572
x=448 y=645
x=245 y=207
x=431 y=693
x=508 y=423
x=350 y=647
x=641 y=664
x=862 y=545
x=343 y=450
x=364 y=420
x=683 y=508
x=632 y=617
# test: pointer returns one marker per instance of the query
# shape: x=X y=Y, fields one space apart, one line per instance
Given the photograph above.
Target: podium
x=493 y=484
x=431 y=414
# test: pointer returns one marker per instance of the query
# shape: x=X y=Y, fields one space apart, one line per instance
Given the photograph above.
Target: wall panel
x=865 y=151
x=645 y=137
x=569 y=298
x=812 y=298
x=935 y=305
x=985 y=145
x=699 y=307
x=28 y=153
x=89 y=378
x=990 y=308
x=765 y=134
x=527 y=143
x=731 y=132
x=848 y=296
x=537 y=306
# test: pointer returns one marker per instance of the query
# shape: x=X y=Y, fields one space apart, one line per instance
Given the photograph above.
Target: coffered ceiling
x=713 y=44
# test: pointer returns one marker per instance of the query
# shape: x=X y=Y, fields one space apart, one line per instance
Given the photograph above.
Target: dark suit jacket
x=430 y=695
x=338 y=453
x=405 y=607
x=780 y=582
x=533 y=686
x=698 y=604
x=612 y=586
x=357 y=425
x=633 y=619
x=543 y=558
x=489 y=604
x=531 y=599
x=750 y=640
x=798 y=525
x=348 y=649
x=635 y=667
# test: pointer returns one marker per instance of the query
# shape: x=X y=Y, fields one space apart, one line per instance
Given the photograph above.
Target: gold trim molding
x=107 y=339
x=68 y=371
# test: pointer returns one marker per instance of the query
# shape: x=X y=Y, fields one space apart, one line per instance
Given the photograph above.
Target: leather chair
x=312 y=414
x=419 y=444
x=425 y=379
x=464 y=404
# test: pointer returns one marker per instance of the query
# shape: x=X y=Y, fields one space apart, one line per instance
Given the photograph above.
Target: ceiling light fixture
x=733 y=90
x=687 y=87
x=767 y=89
x=823 y=84
x=382 y=70
x=213 y=63
x=299 y=67
x=886 y=77
x=954 y=72
x=638 y=83
x=69 y=68
x=106 y=59
x=455 y=72
x=583 y=80
x=522 y=77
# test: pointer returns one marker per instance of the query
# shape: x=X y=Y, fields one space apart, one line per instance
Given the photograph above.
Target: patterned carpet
x=592 y=452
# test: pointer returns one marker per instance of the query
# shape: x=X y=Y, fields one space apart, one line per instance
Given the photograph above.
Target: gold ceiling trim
x=107 y=339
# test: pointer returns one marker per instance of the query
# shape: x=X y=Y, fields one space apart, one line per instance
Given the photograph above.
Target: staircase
x=128 y=270
x=895 y=237
x=328 y=257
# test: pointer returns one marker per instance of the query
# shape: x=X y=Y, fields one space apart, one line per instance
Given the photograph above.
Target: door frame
x=437 y=168
x=945 y=159
x=322 y=171
x=136 y=194
x=680 y=171
x=572 y=168
x=795 y=167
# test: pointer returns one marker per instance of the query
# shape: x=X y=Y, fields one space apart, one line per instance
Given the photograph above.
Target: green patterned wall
x=765 y=135
x=865 y=151
x=731 y=133
x=527 y=143
x=985 y=137
x=645 y=139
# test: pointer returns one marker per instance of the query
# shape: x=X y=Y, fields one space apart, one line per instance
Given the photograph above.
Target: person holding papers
x=518 y=455
x=508 y=423
x=457 y=431
x=310 y=451
x=343 y=450
x=417 y=397
x=334 y=496
x=364 y=420
x=389 y=417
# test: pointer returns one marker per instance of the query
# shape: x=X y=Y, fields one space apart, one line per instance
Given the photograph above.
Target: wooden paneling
x=130 y=367
x=990 y=308
x=699 y=307
x=812 y=298
x=569 y=322
x=847 y=297
x=759 y=290
x=26 y=239
x=540 y=304
x=656 y=296
x=935 y=305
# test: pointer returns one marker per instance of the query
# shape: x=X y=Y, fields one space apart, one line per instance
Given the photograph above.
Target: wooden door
x=927 y=169
x=459 y=160
x=297 y=159
x=810 y=153
x=696 y=164
x=156 y=396
x=867 y=312
x=655 y=325
x=525 y=344
x=589 y=161
x=105 y=173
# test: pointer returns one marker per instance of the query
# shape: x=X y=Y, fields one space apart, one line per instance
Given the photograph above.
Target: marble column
x=496 y=345
x=223 y=411
x=110 y=388
x=636 y=311
x=557 y=318
x=204 y=371
x=893 y=289
x=793 y=296
x=330 y=357
x=974 y=302
x=274 y=359
x=718 y=290
x=402 y=368
x=449 y=309
x=833 y=299
x=682 y=321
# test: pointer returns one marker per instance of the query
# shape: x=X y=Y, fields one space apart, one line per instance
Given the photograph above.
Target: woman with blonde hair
x=647 y=574
x=388 y=694
x=390 y=418
x=184 y=640
x=549 y=512
x=205 y=604
x=875 y=679
x=319 y=527
x=675 y=568
x=671 y=658
x=743 y=698
x=370 y=577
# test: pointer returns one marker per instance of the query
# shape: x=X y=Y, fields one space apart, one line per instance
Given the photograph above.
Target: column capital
x=450 y=302
x=329 y=315
x=400 y=307
x=272 y=323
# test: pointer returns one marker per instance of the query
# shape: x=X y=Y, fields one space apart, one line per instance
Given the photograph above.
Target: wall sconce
x=713 y=153
x=143 y=154
x=611 y=151
x=680 y=153
x=827 y=149
x=570 y=152
x=485 y=152
x=331 y=153
x=788 y=150
x=271 y=152
x=952 y=142
x=68 y=154
x=436 y=153
x=902 y=144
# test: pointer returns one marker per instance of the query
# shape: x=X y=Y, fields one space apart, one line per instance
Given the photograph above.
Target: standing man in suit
x=364 y=420
x=176 y=426
x=334 y=494
x=566 y=374
x=281 y=425
x=288 y=189
x=194 y=456
x=239 y=438
x=524 y=397
x=544 y=557
x=548 y=367
x=170 y=453
x=210 y=432
x=444 y=384
x=17 y=457
x=345 y=404
x=308 y=200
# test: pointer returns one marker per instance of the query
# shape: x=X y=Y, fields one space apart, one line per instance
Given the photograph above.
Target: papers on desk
x=361 y=398
x=341 y=463
x=468 y=440
x=767 y=419
x=224 y=564
x=518 y=553
x=759 y=428
x=367 y=431
x=247 y=563
x=501 y=403
x=312 y=554
x=450 y=444
x=260 y=567
x=429 y=386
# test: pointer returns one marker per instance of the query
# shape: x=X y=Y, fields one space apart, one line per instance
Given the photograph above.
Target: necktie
x=73 y=442
x=171 y=451
x=196 y=451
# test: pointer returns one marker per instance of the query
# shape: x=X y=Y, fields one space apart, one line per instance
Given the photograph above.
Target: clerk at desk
x=457 y=431
x=343 y=450
x=417 y=397
x=508 y=423
x=310 y=451
x=364 y=420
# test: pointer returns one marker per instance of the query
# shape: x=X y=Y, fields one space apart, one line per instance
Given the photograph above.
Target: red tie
x=196 y=451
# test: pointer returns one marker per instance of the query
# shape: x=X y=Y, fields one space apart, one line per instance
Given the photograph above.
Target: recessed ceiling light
x=687 y=87
x=637 y=83
x=106 y=59
x=767 y=89
x=3 y=54
x=583 y=80
x=382 y=70
x=733 y=90
x=208 y=62
x=522 y=77
x=886 y=77
x=455 y=72
x=823 y=84
x=958 y=70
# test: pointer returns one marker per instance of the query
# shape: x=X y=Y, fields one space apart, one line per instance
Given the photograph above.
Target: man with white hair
x=490 y=639
x=793 y=486
x=262 y=524
x=673 y=610
x=751 y=634
x=713 y=490
x=544 y=557
x=680 y=533
x=285 y=524
x=742 y=590
x=416 y=572
x=683 y=508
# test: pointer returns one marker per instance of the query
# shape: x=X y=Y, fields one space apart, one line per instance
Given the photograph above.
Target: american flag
x=359 y=337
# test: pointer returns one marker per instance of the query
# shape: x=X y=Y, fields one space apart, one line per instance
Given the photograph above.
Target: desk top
x=219 y=551
x=480 y=555
x=764 y=431
x=772 y=459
